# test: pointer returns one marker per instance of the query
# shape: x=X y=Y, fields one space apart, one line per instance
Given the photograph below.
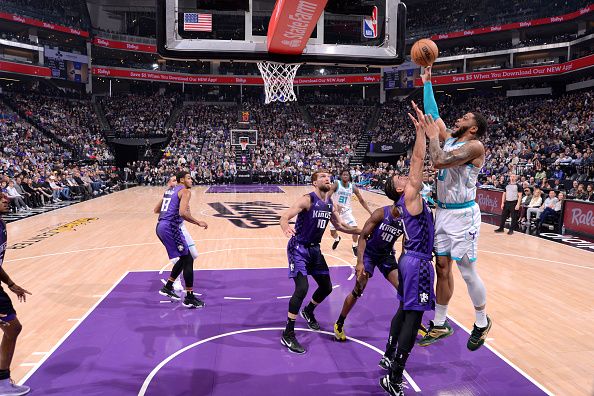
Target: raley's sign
x=123 y=45
x=578 y=217
x=516 y=25
x=113 y=72
x=489 y=201
x=510 y=74
x=41 y=24
x=292 y=24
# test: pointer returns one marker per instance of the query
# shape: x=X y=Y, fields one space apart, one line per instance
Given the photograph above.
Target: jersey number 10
x=322 y=223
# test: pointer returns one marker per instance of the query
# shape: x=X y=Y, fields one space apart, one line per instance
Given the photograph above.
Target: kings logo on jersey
x=370 y=25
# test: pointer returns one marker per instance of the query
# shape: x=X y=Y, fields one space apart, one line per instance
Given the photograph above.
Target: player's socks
x=479 y=335
x=336 y=242
x=440 y=314
x=290 y=325
x=169 y=284
x=340 y=321
x=481 y=318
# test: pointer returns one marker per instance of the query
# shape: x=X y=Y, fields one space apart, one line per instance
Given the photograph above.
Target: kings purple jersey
x=170 y=206
x=3 y=241
x=311 y=224
x=418 y=230
x=381 y=241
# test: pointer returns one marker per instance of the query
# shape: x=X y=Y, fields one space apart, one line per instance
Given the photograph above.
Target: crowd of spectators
x=66 y=12
x=425 y=18
x=72 y=121
x=138 y=115
x=36 y=171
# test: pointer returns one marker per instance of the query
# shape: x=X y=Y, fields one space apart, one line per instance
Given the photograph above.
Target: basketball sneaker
x=339 y=332
x=392 y=388
x=310 y=318
x=336 y=242
x=436 y=333
x=478 y=336
x=191 y=301
x=422 y=330
x=167 y=292
x=7 y=387
x=385 y=363
x=290 y=341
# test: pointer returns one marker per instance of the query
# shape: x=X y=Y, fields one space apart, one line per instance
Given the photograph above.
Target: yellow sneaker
x=339 y=335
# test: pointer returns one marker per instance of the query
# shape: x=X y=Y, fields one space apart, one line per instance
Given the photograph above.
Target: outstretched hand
x=426 y=76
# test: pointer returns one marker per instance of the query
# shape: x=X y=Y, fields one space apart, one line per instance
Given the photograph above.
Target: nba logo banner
x=370 y=25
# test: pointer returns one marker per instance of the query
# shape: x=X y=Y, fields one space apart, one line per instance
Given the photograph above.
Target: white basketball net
x=278 y=81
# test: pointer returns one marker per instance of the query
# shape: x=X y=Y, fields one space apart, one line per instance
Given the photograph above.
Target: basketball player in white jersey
x=457 y=216
x=344 y=189
x=177 y=285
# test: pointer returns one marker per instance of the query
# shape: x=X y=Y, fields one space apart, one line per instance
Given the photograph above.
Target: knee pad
x=301 y=287
x=193 y=251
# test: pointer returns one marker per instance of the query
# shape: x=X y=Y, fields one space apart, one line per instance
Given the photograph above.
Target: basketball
x=424 y=52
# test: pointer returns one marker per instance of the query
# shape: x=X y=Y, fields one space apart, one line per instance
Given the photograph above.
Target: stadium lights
x=155 y=66
x=322 y=71
x=465 y=89
x=498 y=86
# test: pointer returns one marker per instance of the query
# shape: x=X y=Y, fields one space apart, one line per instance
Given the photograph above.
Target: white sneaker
x=9 y=388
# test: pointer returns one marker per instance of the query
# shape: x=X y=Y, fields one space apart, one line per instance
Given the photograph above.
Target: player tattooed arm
x=300 y=205
x=447 y=159
x=370 y=224
x=361 y=199
x=184 y=209
x=340 y=226
x=412 y=196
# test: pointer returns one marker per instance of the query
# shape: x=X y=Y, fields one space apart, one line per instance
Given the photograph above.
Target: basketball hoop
x=278 y=81
x=243 y=142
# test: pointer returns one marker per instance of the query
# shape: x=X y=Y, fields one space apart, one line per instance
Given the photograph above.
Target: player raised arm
x=430 y=105
x=361 y=199
x=340 y=225
x=184 y=209
x=412 y=196
x=376 y=217
x=303 y=203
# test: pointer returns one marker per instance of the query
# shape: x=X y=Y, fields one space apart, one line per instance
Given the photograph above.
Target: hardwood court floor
x=540 y=292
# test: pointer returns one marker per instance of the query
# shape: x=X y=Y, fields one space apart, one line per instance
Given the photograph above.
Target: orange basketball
x=424 y=52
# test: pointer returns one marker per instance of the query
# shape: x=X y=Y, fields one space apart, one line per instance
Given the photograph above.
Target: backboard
x=237 y=135
x=351 y=33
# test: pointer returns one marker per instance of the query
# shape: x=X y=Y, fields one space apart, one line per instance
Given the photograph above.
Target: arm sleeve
x=429 y=102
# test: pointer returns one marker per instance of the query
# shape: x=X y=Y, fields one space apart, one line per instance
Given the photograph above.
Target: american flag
x=197 y=22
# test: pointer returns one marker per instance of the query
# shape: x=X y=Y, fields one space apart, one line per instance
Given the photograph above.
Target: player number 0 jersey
x=456 y=184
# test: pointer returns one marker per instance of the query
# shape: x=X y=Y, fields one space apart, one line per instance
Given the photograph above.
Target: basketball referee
x=510 y=204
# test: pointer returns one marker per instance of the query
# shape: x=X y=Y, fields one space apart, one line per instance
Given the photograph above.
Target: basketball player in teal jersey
x=457 y=216
x=344 y=189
